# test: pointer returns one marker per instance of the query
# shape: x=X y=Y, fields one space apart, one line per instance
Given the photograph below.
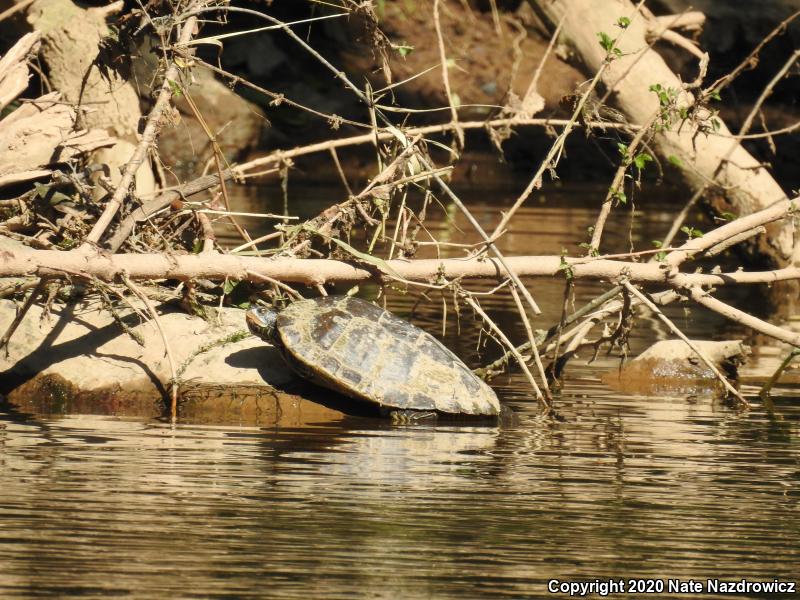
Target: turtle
x=362 y=351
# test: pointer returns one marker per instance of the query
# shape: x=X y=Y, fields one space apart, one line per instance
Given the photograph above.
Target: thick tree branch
x=110 y=267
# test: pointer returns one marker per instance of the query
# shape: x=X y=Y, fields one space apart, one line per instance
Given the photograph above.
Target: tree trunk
x=742 y=186
x=72 y=38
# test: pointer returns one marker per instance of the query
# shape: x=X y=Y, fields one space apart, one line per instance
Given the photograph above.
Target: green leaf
x=620 y=197
x=403 y=49
x=658 y=243
x=606 y=41
x=691 y=232
x=623 y=22
x=728 y=216
x=641 y=160
x=67 y=244
x=229 y=286
x=41 y=189
x=665 y=95
x=715 y=95
x=174 y=88
x=623 y=149
x=565 y=267
x=674 y=160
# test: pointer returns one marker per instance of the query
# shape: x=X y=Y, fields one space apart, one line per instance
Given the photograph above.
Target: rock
x=236 y=123
x=670 y=367
x=80 y=359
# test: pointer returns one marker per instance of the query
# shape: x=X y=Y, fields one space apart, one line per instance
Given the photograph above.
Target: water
x=102 y=507
x=346 y=507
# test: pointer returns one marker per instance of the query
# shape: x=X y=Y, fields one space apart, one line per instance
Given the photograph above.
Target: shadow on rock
x=269 y=363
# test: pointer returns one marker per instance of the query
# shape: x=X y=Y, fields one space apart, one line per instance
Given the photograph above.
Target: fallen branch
x=14 y=68
x=167 y=197
x=738 y=316
x=744 y=184
x=109 y=267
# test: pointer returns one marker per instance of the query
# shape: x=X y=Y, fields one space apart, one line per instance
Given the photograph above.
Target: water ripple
x=97 y=507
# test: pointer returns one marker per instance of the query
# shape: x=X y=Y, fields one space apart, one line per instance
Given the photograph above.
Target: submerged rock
x=671 y=367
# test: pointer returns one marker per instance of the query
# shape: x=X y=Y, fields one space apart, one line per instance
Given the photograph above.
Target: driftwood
x=16 y=261
x=40 y=134
x=314 y=272
x=14 y=73
x=734 y=179
x=72 y=38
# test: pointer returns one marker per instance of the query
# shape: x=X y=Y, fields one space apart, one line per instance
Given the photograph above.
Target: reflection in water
x=98 y=506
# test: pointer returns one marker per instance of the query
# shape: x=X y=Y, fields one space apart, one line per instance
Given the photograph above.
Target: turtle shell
x=358 y=349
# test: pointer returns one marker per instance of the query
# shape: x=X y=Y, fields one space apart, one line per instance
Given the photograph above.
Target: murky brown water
x=355 y=508
x=101 y=507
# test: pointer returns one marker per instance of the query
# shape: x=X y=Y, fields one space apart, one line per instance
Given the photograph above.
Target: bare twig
x=767 y=387
x=32 y=297
x=499 y=333
x=748 y=122
x=615 y=189
x=167 y=349
x=749 y=61
x=532 y=341
x=218 y=158
x=411 y=132
x=533 y=88
x=445 y=75
x=140 y=154
x=208 y=232
x=290 y=290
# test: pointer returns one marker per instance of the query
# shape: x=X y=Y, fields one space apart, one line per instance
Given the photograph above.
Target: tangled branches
x=82 y=227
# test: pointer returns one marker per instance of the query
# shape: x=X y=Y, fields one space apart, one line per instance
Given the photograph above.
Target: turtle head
x=262 y=321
